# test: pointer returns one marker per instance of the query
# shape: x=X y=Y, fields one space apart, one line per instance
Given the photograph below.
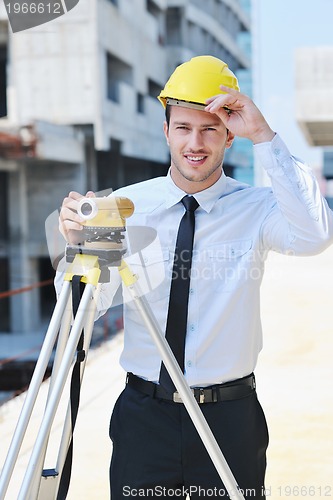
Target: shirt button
x=191 y=291
x=192 y=328
x=277 y=151
x=189 y=364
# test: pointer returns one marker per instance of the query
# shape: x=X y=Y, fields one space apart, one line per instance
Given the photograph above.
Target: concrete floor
x=295 y=375
x=294 y=380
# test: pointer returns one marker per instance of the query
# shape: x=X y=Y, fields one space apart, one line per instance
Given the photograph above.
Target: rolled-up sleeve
x=299 y=219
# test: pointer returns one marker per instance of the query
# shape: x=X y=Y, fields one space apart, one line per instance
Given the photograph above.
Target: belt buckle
x=201 y=396
x=176 y=397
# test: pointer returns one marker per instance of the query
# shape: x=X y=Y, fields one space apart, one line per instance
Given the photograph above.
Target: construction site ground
x=294 y=384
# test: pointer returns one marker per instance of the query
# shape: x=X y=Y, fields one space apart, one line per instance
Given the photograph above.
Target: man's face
x=197 y=141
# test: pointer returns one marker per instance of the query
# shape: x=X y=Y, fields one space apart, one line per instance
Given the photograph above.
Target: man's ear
x=166 y=131
x=230 y=139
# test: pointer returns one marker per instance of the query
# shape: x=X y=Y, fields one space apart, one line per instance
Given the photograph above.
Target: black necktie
x=180 y=285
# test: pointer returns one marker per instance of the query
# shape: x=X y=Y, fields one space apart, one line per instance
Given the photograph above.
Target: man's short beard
x=206 y=174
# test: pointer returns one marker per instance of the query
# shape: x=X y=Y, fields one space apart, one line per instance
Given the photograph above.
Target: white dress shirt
x=236 y=226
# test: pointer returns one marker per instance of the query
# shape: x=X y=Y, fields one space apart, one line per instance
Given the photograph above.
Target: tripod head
x=104 y=221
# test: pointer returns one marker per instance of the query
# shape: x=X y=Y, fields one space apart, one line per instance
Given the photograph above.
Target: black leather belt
x=235 y=389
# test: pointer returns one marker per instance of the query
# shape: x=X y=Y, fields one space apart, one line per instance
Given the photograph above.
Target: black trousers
x=157 y=452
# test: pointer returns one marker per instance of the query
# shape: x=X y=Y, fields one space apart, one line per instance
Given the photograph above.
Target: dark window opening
x=173 y=26
x=3 y=81
x=140 y=103
x=117 y=71
x=115 y=170
x=3 y=207
x=152 y=8
x=47 y=294
x=4 y=302
x=154 y=88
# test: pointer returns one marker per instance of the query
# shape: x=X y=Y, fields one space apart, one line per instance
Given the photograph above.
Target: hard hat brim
x=185 y=104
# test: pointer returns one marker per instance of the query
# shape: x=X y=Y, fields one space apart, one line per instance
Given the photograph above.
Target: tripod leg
x=61 y=345
x=182 y=387
x=47 y=482
x=67 y=431
x=85 y=304
x=35 y=384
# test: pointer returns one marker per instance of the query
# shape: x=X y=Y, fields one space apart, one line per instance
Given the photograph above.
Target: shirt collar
x=206 y=198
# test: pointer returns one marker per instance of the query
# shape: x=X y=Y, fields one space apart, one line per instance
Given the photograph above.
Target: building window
x=154 y=88
x=5 y=302
x=173 y=26
x=3 y=81
x=328 y=165
x=117 y=72
x=152 y=8
x=4 y=226
x=140 y=103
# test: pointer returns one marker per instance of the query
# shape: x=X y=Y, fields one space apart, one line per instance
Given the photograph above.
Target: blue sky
x=280 y=27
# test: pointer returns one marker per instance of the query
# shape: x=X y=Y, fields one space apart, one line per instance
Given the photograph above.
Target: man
x=156 y=450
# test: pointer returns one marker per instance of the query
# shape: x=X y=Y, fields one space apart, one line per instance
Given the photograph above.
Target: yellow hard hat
x=196 y=80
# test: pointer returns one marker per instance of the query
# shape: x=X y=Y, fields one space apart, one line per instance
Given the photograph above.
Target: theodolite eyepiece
x=105 y=211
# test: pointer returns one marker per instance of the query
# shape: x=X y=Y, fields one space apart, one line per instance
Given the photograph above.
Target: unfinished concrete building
x=78 y=111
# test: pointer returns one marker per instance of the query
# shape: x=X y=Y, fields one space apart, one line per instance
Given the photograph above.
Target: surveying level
x=88 y=267
x=103 y=232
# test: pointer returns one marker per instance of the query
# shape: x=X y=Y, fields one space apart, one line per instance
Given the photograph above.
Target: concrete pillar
x=23 y=270
x=90 y=166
